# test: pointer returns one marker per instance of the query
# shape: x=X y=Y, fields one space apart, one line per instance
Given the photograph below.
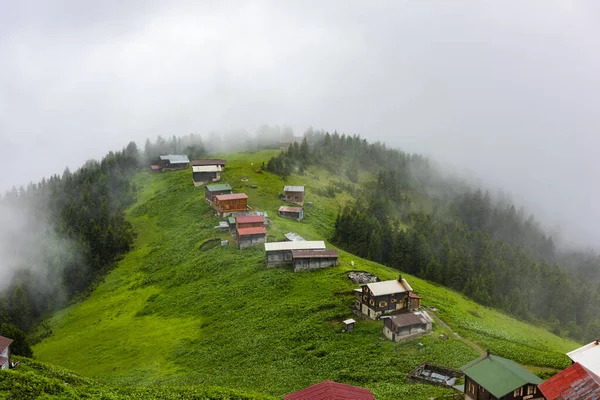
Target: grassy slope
x=173 y=314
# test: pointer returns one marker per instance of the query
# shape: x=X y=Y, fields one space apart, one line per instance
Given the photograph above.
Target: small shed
x=291 y=212
x=247 y=237
x=280 y=253
x=414 y=301
x=406 y=326
x=249 y=221
x=294 y=194
x=312 y=259
x=174 y=161
x=225 y=204
x=211 y=191
x=5 y=352
x=329 y=390
x=207 y=170
x=349 y=325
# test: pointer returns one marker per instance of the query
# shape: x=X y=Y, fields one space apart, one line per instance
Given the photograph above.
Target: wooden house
x=280 y=253
x=588 y=356
x=294 y=194
x=386 y=297
x=5 y=352
x=414 y=301
x=303 y=260
x=575 y=382
x=226 y=204
x=249 y=221
x=495 y=378
x=207 y=170
x=405 y=326
x=211 y=191
x=252 y=236
x=291 y=212
x=174 y=161
x=329 y=390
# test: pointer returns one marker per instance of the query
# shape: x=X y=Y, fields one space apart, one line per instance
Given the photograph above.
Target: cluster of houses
x=293 y=194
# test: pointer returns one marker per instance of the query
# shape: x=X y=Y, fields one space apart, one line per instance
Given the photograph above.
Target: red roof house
x=575 y=382
x=249 y=221
x=329 y=390
x=5 y=352
x=247 y=237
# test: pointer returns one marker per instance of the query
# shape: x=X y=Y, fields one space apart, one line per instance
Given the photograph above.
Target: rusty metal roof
x=250 y=219
x=575 y=382
x=408 y=319
x=256 y=230
x=314 y=254
x=232 y=196
x=290 y=209
x=329 y=390
x=208 y=162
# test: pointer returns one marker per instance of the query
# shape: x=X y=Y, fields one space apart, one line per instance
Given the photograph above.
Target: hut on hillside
x=280 y=253
x=226 y=204
x=252 y=236
x=207 y=170
x=386 y=297
x=174 y=161
x=294 y=194
x=249 y=221
x=291 y=212
x=406 y=326
x=211 y=191
x=303 y=260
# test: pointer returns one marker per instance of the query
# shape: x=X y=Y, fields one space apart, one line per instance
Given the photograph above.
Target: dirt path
x=444 y=325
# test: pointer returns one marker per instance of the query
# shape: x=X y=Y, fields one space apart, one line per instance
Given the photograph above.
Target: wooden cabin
x=280 y=253
x=575 y=382
x=225 y=204
x=303 y=260
x=294 y=194
x=174 y=161
x=405 y=326
x=495 y=378
x=211 y=191
x=207 y=170
x=249 y=221
x=329 y=390
x=5 y=352
x=386 y=297
x=291 y=212
x=252 y=236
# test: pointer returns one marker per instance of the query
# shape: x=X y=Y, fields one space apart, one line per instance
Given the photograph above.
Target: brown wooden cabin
x=400 y=327
x=414 y=301
x=294 y=194
x=252 y=236
x=304 y=260
x=207 y=170
x=386 y=297
x=291 y=212
x=280 y=253
x=211 y=191
x=230 y=203
x=249 y=221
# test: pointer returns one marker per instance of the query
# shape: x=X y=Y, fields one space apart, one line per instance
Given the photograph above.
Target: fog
x=505 y=92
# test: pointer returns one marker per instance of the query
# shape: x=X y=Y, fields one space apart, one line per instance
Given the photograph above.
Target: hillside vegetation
x=173 y=313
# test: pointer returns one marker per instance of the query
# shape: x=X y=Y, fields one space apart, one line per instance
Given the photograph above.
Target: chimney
x=597 y=341
x=400 y=278
x=487 y=353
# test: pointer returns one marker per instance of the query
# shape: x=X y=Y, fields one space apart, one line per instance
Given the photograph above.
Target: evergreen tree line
x=455 y=235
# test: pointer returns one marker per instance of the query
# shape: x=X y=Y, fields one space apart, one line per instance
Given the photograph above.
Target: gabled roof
x=300 y=245
x=207 y=168
x=588 y=356
x=250 y=219
x=176 y=158
x=410 y=318
x=293 y=189
x=498 y=375
x=219 y=187
x=208 y=162
x=290 y=209
x=256 y=230
x=314 y=254
x=388 y=287
x=4 y=343
x=575 y=382
x=231 y=196
x=329 y=390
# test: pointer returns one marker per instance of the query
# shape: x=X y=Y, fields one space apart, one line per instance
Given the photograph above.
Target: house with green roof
x=211 y=191
x=495 y=378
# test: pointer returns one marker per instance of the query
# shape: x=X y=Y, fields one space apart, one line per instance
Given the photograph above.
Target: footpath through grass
x=174 y=314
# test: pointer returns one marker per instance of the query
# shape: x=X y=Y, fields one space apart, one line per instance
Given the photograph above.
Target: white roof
x=389 y=287
x=349 y=321
x=588 y=356
x=293 y=188
x=207 y=168
x=301 y=245
x=293 y=237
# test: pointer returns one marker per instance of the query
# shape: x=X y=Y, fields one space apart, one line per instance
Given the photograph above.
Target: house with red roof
x=249 y=221
x=252 y=236
x=575 y=382
x=5 y=352
x=329 y=390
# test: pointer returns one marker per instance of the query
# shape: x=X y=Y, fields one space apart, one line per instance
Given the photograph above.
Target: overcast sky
x=508 y=90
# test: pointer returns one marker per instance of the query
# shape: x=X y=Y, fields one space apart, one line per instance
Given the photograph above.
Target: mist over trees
x=452 y=234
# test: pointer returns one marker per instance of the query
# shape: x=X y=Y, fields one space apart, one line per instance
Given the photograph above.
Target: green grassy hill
x=176 y=313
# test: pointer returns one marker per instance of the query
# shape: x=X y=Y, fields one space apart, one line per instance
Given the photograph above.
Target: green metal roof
x=498 y=375
x=218 y=187
x=231 y=220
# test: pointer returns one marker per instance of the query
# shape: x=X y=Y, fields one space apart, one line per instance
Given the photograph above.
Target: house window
x=393 y=300
x=372 y=302
x=365 y=298
x=516 y=393
x=383 y=304
x=529 y=389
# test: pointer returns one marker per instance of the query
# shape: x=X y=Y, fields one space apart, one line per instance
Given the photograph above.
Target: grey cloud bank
x=508 y=91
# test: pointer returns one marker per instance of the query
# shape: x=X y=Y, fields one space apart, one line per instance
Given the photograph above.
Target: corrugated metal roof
x=329 y=390
x=4 y=343
x=314 y=253
x=208 y=162
x=290 y=209
x=293 y=188
x=498 y=375
x=573 y=383
x=257 y=230
x=294 y=237
x=389 y=287
x=301 y=245
x=207 y=168
x=231 y=196
x=176 y=158
x=408 y=319
x=218 y=187
x=250 y=219
x=588 y=356
x=349 y=321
